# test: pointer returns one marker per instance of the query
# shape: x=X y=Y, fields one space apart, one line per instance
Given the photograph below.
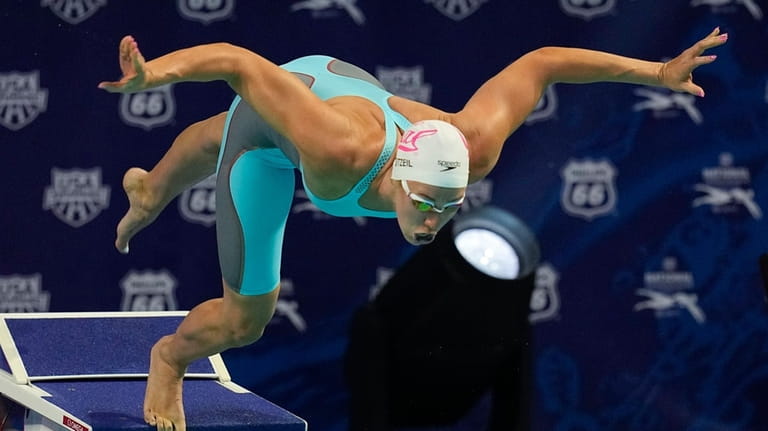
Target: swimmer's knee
x=247 y=328
x=248 y=316
x=245 y=332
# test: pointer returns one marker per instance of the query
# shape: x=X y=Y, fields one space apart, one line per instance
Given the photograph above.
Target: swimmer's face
x=422 y=210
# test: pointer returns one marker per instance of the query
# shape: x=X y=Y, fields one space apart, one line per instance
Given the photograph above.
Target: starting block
x=87 y=372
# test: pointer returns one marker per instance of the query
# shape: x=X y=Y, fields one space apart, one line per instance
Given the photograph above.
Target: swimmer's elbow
x=480 y=168
x=543 y=63
x=231 y=62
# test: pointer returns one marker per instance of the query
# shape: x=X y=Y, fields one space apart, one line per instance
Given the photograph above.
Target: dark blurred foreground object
x=443 y=333
x=764 y=272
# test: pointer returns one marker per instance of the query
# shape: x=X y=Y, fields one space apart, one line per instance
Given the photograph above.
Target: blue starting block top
x=208 y=406
x=87 y=372
x=92 y=346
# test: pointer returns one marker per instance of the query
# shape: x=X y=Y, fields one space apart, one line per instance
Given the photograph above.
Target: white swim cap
x=432 y=152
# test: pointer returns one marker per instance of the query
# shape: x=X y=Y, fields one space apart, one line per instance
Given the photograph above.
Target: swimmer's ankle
x=164 y=350
x=152 y=194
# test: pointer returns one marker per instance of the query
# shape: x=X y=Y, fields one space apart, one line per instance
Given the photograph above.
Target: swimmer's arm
x=502 y=104
x=579 y=66
x=282 y=99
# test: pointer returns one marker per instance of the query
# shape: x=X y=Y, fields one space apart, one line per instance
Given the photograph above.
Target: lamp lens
x=489 y=253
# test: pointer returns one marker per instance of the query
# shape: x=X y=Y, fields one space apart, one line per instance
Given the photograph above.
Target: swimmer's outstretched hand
x=135 y=76
x=676 y=74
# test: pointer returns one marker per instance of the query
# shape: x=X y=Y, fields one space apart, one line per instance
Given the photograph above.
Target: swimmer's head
x=422 y=210
x=432 y=152
x=432 y=169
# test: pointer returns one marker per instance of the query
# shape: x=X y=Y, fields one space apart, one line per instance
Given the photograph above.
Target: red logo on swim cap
x=408 y=141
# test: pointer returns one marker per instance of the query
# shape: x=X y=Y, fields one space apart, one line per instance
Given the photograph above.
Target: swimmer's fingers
x=677 y=74
x=693 y=57
x=712 y=40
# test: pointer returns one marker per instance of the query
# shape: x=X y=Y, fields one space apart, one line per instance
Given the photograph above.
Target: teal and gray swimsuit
x=256 y=182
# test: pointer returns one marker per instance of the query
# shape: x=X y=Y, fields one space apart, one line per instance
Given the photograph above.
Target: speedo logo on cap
x=448 y=165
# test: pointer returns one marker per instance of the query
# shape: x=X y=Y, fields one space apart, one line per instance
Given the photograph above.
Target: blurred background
x=647 y=310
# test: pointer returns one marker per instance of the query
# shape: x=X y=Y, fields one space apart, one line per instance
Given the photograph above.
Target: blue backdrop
x=649 y=205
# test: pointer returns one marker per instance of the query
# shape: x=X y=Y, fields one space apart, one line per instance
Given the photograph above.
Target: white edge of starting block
x=31 y=397
x=12 y=355
x=220 y=368
x=234 y=387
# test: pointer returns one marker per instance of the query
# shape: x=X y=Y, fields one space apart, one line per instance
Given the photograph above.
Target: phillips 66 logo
x=545 y=299
x=198 y=204
x=148 y=109
x=148 y=291
x=588 y=188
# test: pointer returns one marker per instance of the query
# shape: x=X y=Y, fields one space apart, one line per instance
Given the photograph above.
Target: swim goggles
x=423 y=204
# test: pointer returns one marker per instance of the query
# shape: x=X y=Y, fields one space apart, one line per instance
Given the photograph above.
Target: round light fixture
x=496 y=243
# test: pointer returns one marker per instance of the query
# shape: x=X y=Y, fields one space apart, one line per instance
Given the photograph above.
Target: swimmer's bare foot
x=143 y=210
x=136 y=76
x=163 y=407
